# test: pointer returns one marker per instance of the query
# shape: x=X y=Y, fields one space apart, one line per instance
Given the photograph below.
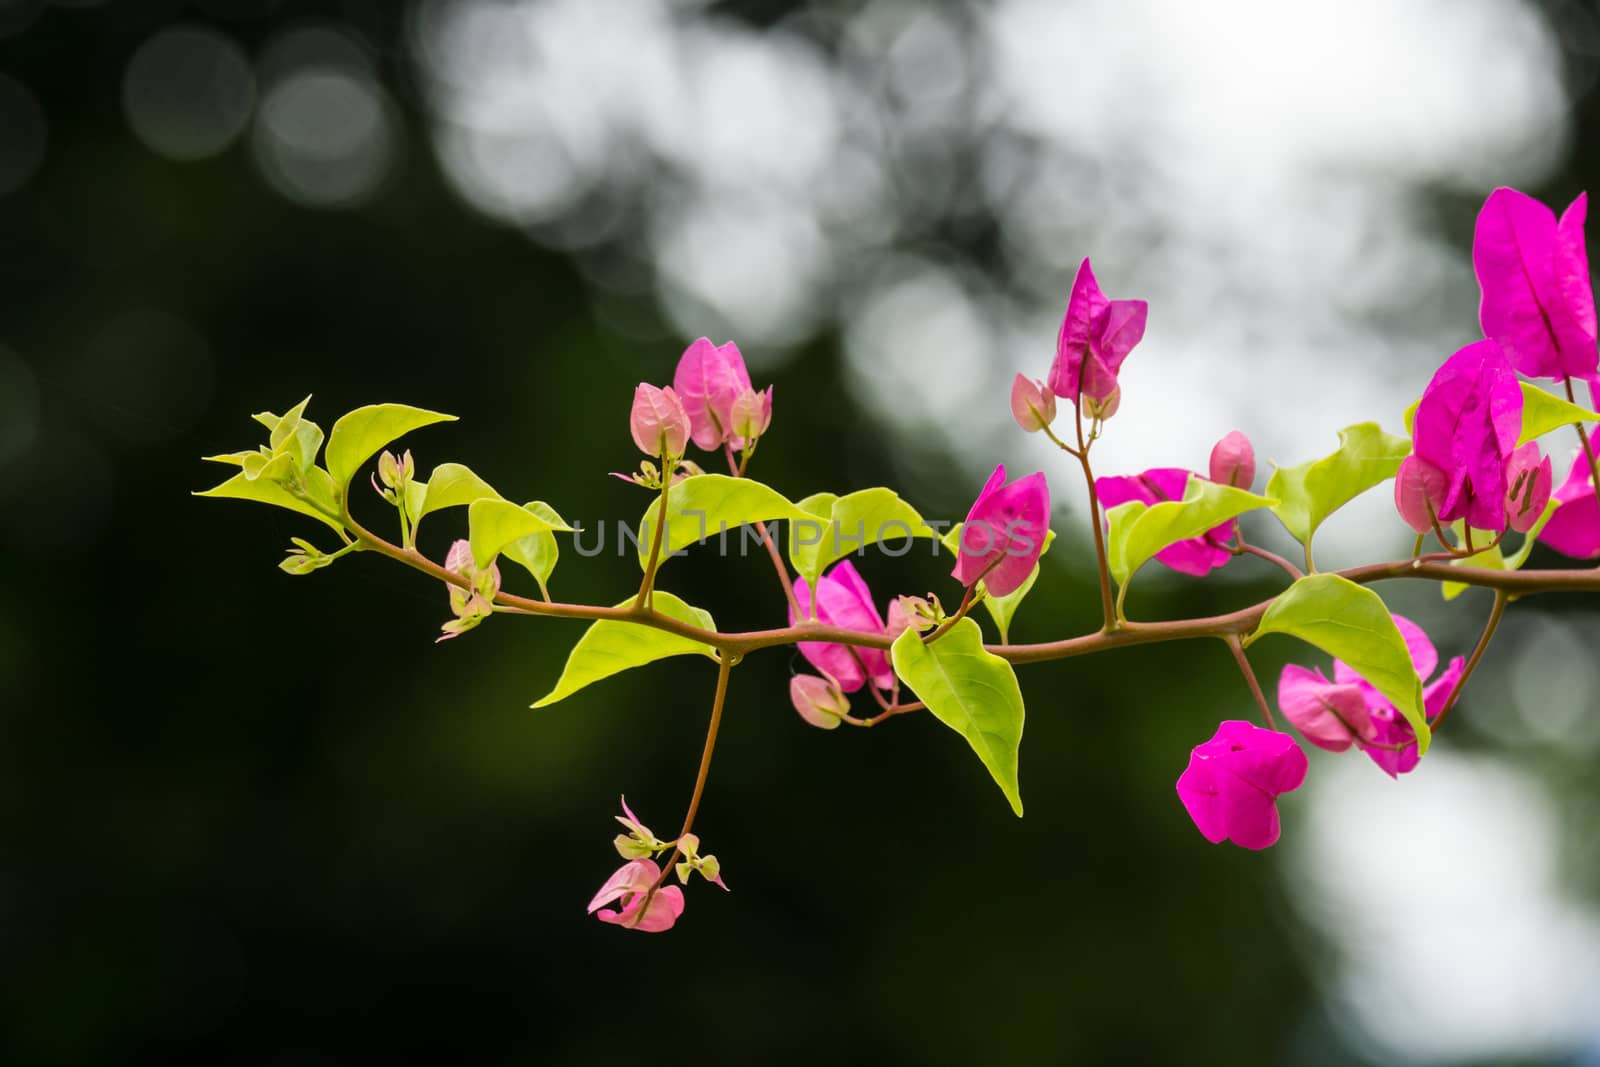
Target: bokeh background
x=247 y=818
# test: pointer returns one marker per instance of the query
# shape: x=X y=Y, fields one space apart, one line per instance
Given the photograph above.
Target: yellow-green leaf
x=1309 y=493
x=358 y=436
x=1350 y=622
x=607 y=647
x=973 y=692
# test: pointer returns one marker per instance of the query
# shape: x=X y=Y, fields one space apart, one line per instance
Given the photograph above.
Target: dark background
x=248 y=818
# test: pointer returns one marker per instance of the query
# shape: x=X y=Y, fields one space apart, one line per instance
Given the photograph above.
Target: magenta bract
x=1389 y=727
x=1233 y=781
x=1467 y=426
x=843 y=599
x=1527 y=486
x=1198 y=556
x=1533 y=271
x=1004 y=533
x=1096 y=336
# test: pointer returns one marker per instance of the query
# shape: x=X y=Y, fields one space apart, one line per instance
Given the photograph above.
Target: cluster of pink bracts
x=1538 y=319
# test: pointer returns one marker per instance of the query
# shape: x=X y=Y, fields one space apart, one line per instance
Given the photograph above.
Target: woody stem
x=1110 y=618
x=724 y=667
x=1237 y=648
x=1489 y=627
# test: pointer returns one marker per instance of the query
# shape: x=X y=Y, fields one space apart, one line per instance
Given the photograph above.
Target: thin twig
x=1237 y=648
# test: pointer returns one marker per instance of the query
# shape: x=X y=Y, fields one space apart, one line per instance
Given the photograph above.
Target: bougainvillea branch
x=1469 y=471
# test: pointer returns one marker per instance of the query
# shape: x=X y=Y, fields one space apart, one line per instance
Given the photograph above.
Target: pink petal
x=1574 y=529
x=1233 y=461
x=1232 y=782
x=1436 y=695
x=1466 y=425
x=1330 y=716
x=1119 y=328
x=843 y=599
x=1013 y=520
x=1513 y=255
x=1575 y=322
x=1390 y=729
x=648 y=913
x=632 y=877
x=1072 y=343
x=1420 y=490
x=1197 y=789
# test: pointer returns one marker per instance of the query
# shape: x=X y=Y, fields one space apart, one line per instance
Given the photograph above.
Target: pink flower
x=658 y=422
x=641 y=909
x=1004 y=533
x=1198 y=555
x=1326 y=713
x=1528 y=486
x=709 y=380
x=1420 y=489
x=1096 y=336
x=1574 y=529
x=819 y=701
x=1467 y=426
x=1330 y=715
x=1534 y=273
x=1032 y=404
x=473 y=604
x=843 y=599
x=1233 y=782
x=1233 y=461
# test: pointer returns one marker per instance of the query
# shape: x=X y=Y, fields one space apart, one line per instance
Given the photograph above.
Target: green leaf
x=971 y=691
x=452 y=485
x=494 y=524
x=701 y=506
x=608 y=647
x=1001 y=608
x=1138 y=531
x=844 y=524
x=1309 y=493
x=1351 y=623
x=279 y=427
x=359 y=435
x=318 y=486
x=1543 y=411
x=538 y=552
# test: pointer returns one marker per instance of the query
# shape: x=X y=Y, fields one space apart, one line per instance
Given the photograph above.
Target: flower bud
x=909 y=613
x=1419 y=492
x=658 y=423
x=819 y=701
x=751 y=413
x=1233 y=461
x=1528 y=481
x=1032 y=405
x=1105 y=408
x=395 y=473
